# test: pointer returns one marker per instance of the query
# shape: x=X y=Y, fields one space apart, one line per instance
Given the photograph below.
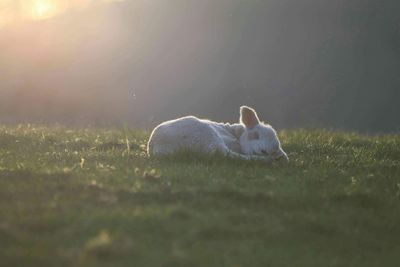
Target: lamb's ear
x=248 y=117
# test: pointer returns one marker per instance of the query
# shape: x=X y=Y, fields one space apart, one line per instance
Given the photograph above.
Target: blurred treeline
x=300 y=63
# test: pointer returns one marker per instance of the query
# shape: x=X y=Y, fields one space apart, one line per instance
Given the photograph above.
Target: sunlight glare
x=43 y=9
x=15 y=11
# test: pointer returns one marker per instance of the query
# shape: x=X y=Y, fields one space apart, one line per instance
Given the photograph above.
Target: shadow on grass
x=215 y=159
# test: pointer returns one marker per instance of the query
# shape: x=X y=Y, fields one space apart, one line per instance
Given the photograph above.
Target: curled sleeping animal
x=249 y=139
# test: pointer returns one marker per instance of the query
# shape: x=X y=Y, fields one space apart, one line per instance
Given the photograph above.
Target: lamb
x=250 y=139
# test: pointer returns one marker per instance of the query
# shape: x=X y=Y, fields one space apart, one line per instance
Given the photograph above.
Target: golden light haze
x=15 y=11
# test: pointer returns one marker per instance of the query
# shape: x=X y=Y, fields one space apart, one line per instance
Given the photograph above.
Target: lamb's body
x=250 y=139
x=191 y=133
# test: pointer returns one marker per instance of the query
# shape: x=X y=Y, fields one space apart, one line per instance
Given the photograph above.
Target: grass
x=90 y=197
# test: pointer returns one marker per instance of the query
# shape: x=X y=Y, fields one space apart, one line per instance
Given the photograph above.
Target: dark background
x=300 y=63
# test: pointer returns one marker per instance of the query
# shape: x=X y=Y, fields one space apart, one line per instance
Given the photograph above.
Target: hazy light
x=14 y=11
x=43 y=9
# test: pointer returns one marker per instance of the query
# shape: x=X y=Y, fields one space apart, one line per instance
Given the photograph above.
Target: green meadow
x=91 y=197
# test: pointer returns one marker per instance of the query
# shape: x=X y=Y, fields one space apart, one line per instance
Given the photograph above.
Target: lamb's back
x=183 y=133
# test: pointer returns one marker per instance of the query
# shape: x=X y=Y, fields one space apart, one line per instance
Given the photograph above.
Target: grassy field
x=91 y=197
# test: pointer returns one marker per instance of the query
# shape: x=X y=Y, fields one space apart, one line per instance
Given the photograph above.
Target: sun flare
x=17 y=11
x=43 y=9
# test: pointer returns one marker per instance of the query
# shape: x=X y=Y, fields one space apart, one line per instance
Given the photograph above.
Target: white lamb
x=249 y=139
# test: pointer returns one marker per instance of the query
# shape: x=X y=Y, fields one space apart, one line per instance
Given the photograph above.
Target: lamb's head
x=259 y=138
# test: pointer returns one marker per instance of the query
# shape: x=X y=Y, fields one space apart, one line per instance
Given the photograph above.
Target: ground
x=91 y=197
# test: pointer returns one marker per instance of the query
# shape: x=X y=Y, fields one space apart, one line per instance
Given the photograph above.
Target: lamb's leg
x=233 y=154
x=230 y=153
